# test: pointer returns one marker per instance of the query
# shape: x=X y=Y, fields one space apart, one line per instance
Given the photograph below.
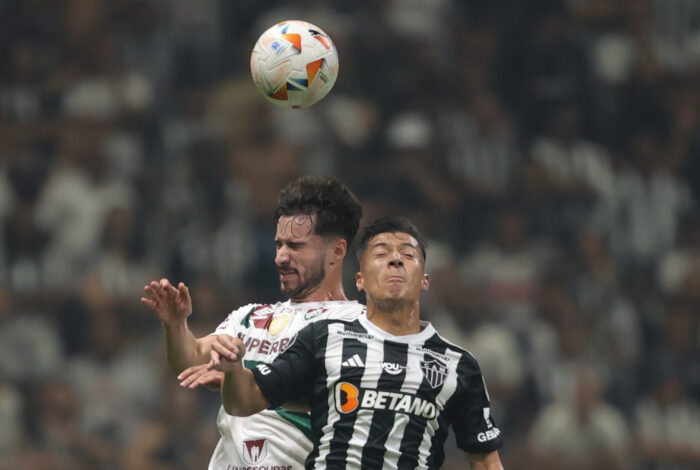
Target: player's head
x=317 y=218
x=392 y=252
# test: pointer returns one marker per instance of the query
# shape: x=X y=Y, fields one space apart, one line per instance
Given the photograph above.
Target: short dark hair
x=337 y=210
x=390 y=224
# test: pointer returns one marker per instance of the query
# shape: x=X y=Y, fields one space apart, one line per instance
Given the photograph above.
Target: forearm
x=490 y=461
x=182 y=348
x=240 y=394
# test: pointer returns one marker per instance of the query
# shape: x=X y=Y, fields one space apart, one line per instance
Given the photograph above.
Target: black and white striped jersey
x=378 y=400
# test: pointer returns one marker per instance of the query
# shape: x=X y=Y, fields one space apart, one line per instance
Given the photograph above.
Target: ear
x=339 y=249
x=359 y=282
x=425 y=282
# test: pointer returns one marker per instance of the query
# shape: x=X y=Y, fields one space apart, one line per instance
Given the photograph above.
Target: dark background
x=548 y=149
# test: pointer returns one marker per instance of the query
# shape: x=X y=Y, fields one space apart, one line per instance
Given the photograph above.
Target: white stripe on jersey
x=414 y=377
x=370 y=379
x=333 y=359
x=448 y=388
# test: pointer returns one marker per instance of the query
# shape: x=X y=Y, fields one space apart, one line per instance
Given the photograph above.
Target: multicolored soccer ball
x=294 y=64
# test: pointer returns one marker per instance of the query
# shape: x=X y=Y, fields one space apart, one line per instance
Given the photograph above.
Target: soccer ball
x=294 y=64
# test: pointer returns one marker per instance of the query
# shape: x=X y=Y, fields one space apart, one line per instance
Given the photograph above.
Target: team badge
x=278 y=324
x=434 y=371
x=314 y=312
x=254 y=451
x=262 y=317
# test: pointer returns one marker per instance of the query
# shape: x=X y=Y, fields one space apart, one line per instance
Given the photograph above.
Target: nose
x=281 y=256
x=396 y=260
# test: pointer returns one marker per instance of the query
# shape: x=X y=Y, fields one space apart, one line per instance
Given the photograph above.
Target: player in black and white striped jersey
x=383 y=389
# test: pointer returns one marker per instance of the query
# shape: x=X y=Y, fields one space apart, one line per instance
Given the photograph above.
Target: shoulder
x=324 y=327
x=240 y=317
x=334 y=310
x=453 y=348
x=467 y=365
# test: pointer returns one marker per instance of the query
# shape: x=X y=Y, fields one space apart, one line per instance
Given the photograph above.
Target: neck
x=331 y=288
x=397 y=318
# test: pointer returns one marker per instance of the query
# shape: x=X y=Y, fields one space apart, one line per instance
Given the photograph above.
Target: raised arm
x=240 y=394
x=172 y=306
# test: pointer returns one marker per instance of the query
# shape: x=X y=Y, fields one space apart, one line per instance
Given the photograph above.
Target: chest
x=268 y=330
x=387 y=375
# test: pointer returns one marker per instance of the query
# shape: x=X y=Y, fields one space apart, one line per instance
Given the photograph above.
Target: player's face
x=392 y=269
x=301 y=256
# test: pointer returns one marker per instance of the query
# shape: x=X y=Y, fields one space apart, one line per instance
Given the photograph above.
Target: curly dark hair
x=390 y=225
x=337 y=210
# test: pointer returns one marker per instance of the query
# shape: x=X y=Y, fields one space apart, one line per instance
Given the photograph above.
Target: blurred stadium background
x=549 y=149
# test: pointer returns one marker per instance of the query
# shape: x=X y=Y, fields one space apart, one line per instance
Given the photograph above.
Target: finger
x=223 y=351
x=170 y=290
x=164 y=283
x=184 y=292
x=215 y=358
x=228 y=342
x=148 y=302
x=233 y=347
x=190 y=371
x=189 y=380
x=205 y=379
x=157 y=291
x=151 y=292
x=210 y=365
x=214 y=380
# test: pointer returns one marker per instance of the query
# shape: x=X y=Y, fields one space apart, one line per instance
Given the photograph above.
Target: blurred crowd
x=550 y=151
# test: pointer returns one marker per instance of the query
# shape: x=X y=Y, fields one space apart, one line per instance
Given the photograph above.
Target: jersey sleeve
x=235 y=322
x=470 y=411
x=289 y=376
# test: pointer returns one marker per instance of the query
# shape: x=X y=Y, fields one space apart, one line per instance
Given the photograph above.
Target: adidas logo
x=354 y=361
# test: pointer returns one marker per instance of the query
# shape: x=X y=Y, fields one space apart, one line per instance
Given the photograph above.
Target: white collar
x=419 y=337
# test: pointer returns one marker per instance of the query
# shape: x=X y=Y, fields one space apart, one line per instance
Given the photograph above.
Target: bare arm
x=172 y=306
x=240 y=394
x=490 y=461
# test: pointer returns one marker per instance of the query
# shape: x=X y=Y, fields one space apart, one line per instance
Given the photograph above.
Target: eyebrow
x=295 y=241
x=386 y=245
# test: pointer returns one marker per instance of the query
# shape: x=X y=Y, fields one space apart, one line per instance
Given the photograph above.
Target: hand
x=226 y=354
x=171 y=305
x=194 y=376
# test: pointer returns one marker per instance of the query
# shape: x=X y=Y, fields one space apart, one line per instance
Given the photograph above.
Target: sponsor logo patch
x=346 y=397
x=489 y=435
x=354 y=361
x=278 y=324
x=349 y=398
x=393 y=368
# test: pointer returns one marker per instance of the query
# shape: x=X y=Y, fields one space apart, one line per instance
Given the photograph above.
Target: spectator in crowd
x=581 y=433
x=667 y=421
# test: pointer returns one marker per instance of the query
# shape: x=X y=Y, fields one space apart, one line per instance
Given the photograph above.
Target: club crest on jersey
x=262 y=317
x=314 y=312
x=254 y=450
x=434 y=371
